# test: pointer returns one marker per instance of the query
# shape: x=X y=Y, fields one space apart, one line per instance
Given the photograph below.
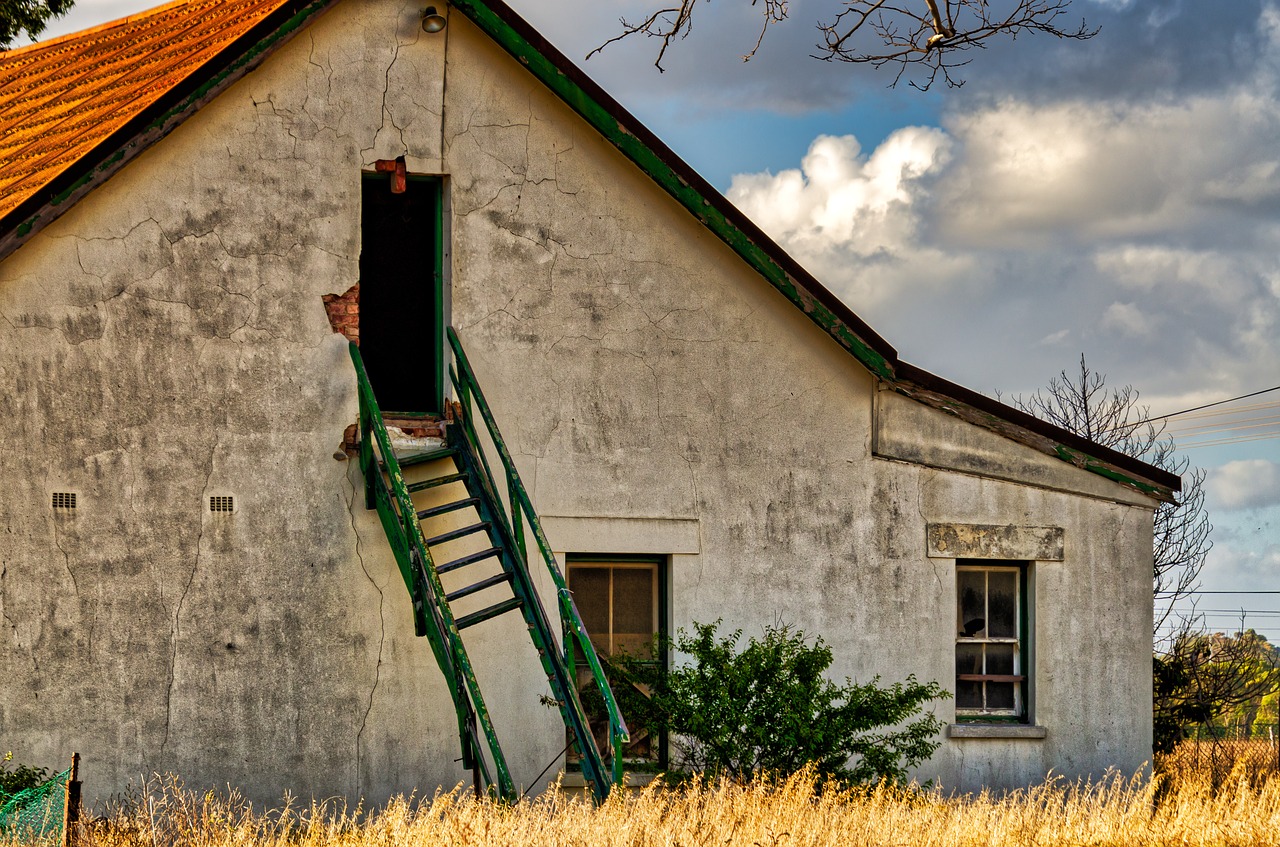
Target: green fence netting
x=35 y=812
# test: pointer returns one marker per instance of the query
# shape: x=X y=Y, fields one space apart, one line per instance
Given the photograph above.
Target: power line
x=1209 y=405
x=1226 y=426
x=1248 y=407
x=1235 y=439
x=1199 y=591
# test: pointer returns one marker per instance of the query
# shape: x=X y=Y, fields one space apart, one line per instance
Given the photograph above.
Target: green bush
x=769 y=709
x=15 y=778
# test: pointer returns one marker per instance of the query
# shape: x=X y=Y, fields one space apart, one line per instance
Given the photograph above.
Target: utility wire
x=1210 y=405
x=1248 y=407
x=1235 y=439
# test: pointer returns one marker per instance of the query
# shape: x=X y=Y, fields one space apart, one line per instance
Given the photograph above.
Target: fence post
x=71 y=810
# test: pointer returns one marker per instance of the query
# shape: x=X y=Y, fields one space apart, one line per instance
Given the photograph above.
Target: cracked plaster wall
x=166 y=340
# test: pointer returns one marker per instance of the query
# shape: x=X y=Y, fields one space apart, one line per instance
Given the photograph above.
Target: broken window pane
x=972 y=588
x=1002 y=604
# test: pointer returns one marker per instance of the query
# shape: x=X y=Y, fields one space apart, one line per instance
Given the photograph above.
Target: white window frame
x=1020 y=619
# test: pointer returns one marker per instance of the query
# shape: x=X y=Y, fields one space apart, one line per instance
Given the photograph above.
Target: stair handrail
x=468 y=388
x=425 y=588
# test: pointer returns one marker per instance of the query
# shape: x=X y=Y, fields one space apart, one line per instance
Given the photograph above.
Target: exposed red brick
x=344 y=312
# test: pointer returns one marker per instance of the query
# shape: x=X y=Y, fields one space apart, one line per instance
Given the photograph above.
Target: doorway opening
x=402 y=292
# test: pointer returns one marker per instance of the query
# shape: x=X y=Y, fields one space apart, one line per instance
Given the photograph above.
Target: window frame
x=662 y=566
x=1022 y=670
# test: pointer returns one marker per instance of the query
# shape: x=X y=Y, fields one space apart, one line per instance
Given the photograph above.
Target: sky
x=1117 y=198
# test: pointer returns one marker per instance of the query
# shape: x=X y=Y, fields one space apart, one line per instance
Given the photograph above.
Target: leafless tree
x=1083 y=403
x=933 y=36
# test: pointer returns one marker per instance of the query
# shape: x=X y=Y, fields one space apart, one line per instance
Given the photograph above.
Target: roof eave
x=980 y=410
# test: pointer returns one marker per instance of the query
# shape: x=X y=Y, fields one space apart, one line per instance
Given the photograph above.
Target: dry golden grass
x=1217 y=761
x=1182 y=809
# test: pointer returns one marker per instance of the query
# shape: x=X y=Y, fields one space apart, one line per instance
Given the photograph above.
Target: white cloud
x=1208 y=275
x=840 y=198
x=1127 y=319
x=1244 y=484
x=855 y=220
x=1080 y=168
x=1055 y=338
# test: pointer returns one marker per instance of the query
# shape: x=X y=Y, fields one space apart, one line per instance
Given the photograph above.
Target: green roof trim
x=1089 y=463
x=660 y=171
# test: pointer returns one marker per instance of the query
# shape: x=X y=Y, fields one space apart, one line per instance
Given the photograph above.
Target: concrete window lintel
x=989 y=541
x=996 y=730
x=618 y=535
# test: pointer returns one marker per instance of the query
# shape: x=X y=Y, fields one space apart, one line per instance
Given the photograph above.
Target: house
x=203 y=203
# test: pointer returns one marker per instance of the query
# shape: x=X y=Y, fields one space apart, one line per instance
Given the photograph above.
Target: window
x=991 y=656
x=622 y=603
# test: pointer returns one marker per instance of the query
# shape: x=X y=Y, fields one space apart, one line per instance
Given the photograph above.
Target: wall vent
x=222 y=504
x=64 y=499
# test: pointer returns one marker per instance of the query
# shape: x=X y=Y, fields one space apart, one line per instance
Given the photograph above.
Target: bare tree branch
x=931 y=35
x=1082 y=403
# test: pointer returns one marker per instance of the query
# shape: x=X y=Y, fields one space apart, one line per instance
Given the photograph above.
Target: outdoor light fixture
x=432 y=21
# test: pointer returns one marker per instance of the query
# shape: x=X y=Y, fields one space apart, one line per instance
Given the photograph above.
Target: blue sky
x=1118 y=197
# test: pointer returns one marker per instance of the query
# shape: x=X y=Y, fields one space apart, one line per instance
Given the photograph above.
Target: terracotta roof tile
x=60 y=98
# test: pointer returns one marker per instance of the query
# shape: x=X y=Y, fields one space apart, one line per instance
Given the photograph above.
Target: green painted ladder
x=459 y=475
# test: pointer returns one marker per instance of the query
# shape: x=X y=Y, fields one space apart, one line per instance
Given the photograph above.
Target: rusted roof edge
x=156 y=121
x=980 y=410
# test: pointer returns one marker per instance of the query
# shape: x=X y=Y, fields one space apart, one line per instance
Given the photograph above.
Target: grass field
x=1182 y=807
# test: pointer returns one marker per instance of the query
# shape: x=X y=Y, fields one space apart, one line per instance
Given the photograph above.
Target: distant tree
x=1216 y=684
x=29 y=16
x=1082 y=403
x=929 y=36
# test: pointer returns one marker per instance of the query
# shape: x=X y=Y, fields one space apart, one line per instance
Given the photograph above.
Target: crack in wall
x=177 y=614
x=66 y=559
x=924 y=521
x=382 y=621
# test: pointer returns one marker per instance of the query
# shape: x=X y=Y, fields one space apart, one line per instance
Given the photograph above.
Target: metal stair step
x=457 y=533
x=488 y=582
x=491 y=612
x=429 y=456
x=447 y=507
x=468 y=560
x=438 y=481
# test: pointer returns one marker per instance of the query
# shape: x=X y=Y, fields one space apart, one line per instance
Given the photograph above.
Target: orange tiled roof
x=61 y=97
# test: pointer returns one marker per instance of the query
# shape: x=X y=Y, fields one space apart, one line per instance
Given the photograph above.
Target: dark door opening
x=401 y=294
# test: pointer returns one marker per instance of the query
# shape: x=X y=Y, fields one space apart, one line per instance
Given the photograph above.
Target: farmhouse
x=236 y=547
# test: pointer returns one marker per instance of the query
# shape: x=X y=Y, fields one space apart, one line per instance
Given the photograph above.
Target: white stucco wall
x=165 y=341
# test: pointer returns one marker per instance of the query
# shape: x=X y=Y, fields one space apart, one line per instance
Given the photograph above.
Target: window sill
x=996 y=730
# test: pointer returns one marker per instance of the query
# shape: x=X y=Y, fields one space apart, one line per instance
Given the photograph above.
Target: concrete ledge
x=995 y=730
x=579 y=534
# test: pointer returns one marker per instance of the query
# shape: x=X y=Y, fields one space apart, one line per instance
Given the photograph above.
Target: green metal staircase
x=475 y=527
